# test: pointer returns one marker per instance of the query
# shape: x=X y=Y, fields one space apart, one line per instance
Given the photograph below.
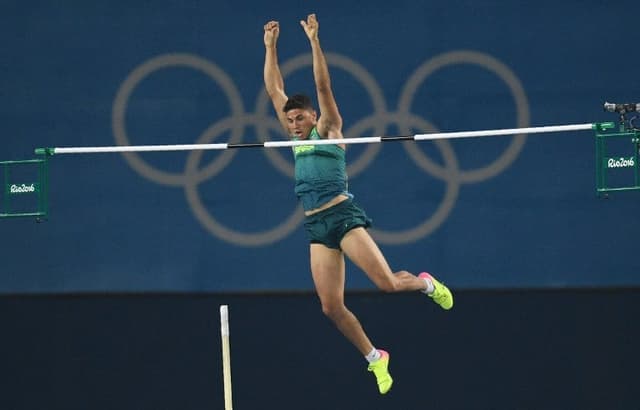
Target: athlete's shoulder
x=314 y=134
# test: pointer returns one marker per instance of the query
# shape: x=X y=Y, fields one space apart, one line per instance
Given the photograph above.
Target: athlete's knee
x=389 y=284
x=333 y=310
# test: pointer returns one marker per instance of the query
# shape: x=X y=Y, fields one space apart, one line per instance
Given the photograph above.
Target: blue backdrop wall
x=489 y=213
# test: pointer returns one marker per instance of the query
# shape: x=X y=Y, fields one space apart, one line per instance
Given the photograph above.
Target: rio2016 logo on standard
x=621 y=162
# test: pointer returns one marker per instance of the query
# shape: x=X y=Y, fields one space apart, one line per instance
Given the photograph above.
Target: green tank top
x=320 y=172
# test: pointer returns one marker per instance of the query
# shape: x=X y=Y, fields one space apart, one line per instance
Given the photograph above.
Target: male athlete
x=335 y=225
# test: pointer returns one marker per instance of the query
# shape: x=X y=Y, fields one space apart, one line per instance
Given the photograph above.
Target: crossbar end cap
x=45 y=151
x=603 y=126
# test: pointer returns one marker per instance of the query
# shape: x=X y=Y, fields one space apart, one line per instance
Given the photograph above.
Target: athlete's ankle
x=427 y=279
x=373 y=356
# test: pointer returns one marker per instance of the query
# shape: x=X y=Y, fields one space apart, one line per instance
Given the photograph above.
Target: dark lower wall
x=495 y=350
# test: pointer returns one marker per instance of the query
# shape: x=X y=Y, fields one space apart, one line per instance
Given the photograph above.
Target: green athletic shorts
x=329 y=226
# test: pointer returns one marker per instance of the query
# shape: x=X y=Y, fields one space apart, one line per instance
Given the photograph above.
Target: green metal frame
x=41 y=189
x=605 y=132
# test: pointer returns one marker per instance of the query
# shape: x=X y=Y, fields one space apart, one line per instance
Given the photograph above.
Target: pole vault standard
x=281 y=144
x=610 y=166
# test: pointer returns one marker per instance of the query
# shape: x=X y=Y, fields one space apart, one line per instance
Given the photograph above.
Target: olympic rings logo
x=378 y=121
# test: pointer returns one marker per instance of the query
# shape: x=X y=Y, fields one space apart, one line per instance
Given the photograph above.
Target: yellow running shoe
x=441 y=294
x=381 y=369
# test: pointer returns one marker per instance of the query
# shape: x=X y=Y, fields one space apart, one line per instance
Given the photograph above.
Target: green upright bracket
x=45 y=151
x=617 y=154
x=25 y=190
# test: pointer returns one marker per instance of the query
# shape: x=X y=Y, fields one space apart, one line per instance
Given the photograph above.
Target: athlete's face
x=300 y=122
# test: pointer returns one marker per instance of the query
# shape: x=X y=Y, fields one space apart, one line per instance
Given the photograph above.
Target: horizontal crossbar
x=280 y=144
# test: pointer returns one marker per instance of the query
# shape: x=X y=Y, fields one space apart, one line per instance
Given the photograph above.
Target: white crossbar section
x=138 y=148
x=279 y=144
x=507 y=131
x=361 y=140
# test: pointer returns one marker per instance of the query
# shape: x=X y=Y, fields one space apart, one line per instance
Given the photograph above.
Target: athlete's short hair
x=298 y=101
